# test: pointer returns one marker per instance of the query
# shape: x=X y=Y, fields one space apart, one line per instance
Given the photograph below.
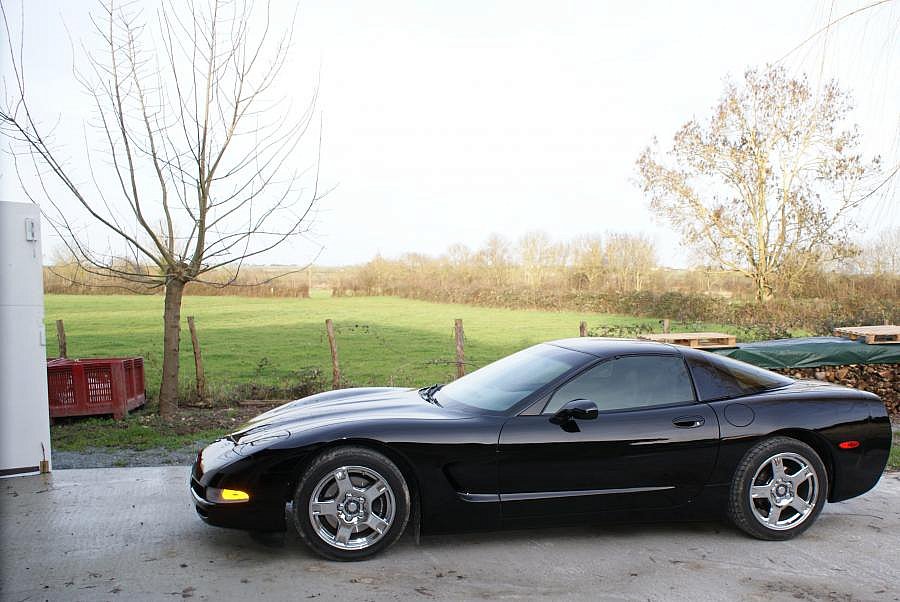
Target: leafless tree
x=195 y=170
x=879 y=256
x=616 y=262
x=763 y=187
x=629 y=259
x=496 y=258
x=539 y=255
x=863 y=34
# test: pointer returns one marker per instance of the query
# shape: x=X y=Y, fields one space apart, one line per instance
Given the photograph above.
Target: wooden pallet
x=871 y=335
x=697 y=340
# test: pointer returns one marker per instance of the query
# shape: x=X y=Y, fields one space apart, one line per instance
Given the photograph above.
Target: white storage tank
x=24 y=412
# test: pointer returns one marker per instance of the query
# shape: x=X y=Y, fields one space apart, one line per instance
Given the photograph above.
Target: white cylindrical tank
x=24 y=411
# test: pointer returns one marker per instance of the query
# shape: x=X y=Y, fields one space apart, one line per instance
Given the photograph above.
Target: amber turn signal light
x=227 y=496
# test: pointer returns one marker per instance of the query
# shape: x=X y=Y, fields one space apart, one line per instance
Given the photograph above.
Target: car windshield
x=499 y=386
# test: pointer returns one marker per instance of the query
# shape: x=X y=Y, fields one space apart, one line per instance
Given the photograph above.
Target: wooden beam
x=61 y=337
x=460 y=349
x=698 y=340
x=335 y=366
x=198 y=361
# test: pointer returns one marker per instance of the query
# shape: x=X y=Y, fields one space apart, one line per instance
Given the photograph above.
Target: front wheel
x=778 y=489
x=351 y=503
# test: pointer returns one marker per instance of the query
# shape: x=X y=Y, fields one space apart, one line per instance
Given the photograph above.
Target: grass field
x=381 y=340
x=274 y=341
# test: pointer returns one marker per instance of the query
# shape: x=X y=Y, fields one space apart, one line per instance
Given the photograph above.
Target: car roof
x=607 y=347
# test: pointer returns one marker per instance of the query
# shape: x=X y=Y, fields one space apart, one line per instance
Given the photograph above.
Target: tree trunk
x=764 y=288
x=168 y=388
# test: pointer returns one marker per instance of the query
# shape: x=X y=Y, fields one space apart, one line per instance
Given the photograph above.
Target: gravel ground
x=116 y=458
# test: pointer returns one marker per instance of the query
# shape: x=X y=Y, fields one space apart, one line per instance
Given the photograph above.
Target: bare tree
x=588 y=257
x=194 y=171
x=764 y=186
x=629 y=259
x=496 y=257
x=616 y=262
x=539 y=256
x=879 y=256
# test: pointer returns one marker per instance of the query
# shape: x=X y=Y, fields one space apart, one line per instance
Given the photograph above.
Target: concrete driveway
x=131 y=533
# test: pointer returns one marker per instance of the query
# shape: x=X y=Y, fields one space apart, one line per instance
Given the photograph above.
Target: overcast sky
x=447 y=121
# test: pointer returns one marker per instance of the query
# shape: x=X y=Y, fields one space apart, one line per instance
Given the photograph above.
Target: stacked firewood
x=881 y=379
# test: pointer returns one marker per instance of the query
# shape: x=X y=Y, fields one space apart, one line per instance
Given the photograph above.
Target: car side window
x=628 y=382
x=719 y=377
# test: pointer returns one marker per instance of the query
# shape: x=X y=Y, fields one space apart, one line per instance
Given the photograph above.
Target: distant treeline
x=254 y=281
x=614 y=273
x=618 y=273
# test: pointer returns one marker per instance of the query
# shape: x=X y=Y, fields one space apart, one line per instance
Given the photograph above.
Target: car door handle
x=689 y=422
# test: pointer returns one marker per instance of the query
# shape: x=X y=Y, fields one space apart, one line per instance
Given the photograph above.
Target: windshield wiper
x=427 y=394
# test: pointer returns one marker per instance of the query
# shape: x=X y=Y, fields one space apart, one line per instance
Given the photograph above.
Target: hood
x=345 y=406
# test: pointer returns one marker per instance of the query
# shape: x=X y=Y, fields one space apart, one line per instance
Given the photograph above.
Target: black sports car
x=568 y=431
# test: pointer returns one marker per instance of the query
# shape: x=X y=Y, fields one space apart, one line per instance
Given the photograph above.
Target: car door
x=652 y=444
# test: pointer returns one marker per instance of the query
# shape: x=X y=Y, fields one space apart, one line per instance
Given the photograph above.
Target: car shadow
x=279 y=544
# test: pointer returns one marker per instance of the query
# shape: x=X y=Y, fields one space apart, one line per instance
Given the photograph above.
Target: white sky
x=447 y=121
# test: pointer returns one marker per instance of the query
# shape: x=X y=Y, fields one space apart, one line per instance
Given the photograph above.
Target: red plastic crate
x=86 y=387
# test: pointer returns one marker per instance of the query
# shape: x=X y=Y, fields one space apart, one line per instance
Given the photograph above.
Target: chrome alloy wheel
x=352 y=507
x=784 y=491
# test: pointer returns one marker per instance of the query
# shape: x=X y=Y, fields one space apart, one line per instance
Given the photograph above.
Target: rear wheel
x=778 y=489
x=351 y=503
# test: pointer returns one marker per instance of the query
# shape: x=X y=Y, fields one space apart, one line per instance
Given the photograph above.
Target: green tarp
x=812 y=352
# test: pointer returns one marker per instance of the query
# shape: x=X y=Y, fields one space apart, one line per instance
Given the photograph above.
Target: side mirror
x=577 y=409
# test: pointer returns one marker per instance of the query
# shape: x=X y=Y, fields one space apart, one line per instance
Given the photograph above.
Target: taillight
x=848 y=444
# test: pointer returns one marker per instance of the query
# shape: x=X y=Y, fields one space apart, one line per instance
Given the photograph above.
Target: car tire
x=778 y=489
x=351 y=503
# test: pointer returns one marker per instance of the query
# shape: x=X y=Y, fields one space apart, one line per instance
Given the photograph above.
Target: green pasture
x=274 y=341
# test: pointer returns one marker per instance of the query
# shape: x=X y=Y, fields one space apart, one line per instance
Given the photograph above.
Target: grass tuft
x=894 y=458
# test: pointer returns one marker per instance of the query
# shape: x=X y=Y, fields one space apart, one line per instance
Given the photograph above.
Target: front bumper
x=218 y=464
x=251 y=516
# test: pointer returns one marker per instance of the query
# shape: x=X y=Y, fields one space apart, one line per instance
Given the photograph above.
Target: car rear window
x=719 y=377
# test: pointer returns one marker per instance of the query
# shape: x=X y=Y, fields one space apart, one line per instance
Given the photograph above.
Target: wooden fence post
x=198 y=360
x=460 y=350
x=582 y=329
x=335 y=368
x=61 y=337
x=665 y=325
